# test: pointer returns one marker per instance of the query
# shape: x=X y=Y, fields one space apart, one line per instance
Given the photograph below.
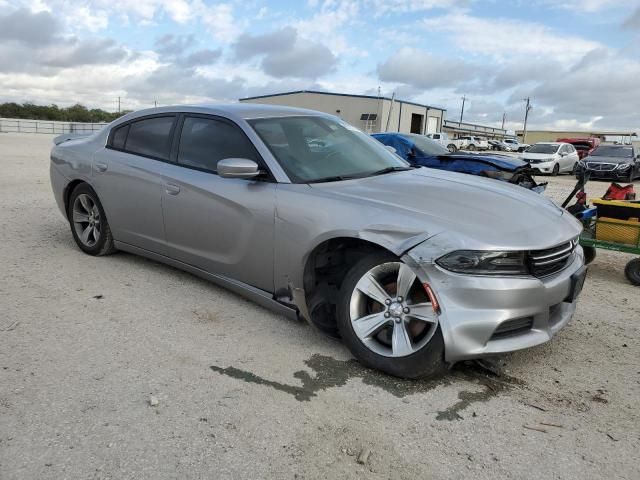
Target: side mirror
x=563 y=154
x=238 y=168
x=391 y=149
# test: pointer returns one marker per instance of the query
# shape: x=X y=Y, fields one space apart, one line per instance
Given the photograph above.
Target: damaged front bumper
x=483 y=315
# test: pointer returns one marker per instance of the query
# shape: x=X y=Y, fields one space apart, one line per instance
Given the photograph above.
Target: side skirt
x=256 y=295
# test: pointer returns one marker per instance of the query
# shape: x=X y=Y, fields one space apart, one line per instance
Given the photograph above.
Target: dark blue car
x=422 y=151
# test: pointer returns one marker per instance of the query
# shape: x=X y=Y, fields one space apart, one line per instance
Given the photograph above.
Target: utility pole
x=504 y=116
x=464 y=98
x=526 y=117
x=118 y=104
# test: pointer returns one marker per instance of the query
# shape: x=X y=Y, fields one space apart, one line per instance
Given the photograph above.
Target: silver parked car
x=413 y=268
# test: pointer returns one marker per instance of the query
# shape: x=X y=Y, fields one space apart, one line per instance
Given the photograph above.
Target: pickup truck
x=475 y=143
x=512 y=145
x=450 y=144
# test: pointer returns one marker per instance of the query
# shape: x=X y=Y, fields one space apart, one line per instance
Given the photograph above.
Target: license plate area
x=577 y=282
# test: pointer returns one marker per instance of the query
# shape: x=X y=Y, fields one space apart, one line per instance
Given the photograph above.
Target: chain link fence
x=19 y=125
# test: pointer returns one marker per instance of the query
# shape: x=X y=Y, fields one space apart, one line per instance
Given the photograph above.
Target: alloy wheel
x=86 y=220
x=391 y=312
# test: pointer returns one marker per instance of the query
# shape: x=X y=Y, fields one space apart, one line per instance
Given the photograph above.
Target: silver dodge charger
x=413 y=268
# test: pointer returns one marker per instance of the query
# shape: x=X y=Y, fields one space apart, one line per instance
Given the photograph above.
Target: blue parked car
x=422 y=151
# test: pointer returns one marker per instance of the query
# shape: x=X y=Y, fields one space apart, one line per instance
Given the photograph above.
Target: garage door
x=432 y=124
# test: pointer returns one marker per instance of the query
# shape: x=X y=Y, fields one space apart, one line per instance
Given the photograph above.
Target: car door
x=573 y=157
x=220 y=225
x=128 y=180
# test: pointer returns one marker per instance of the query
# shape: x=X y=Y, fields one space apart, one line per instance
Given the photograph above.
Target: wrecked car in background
x=414 y=268
x=422 y=151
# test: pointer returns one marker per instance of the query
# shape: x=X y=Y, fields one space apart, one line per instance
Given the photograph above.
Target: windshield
x=543 y=148
x=313 y=149
x=613 y=151
x=426 y=145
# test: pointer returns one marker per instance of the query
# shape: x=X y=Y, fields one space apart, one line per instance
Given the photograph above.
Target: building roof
x=374 y=97
x=586 y=133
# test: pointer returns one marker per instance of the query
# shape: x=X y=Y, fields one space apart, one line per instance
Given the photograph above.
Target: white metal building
x=369 y=113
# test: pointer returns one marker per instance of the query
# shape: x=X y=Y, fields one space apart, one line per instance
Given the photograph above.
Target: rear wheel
x=632 y=271
x=452 y=148
x=471 y=147
x=387 y=320
x=88 y=221
x=556 y=170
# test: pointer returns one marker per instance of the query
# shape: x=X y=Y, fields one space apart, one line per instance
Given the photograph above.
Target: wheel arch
x=66 y=196
x=325 y=267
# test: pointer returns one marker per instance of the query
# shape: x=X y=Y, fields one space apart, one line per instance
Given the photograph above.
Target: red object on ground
x=618 y=192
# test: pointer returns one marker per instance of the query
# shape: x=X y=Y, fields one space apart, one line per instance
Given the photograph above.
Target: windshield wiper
x=389 y=170
x=333 y=178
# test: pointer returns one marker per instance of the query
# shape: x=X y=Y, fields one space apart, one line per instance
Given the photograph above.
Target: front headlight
x=623 y=166
x=475 y=262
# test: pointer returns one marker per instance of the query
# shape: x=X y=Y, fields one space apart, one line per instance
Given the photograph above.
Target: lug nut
x=399 y=299
x=388 y=301
x=387 y=314
x=406 y=310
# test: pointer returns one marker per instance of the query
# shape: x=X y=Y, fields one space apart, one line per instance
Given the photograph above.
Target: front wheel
x=452 y=148
x=632 y=271
x=471 y=148
x=556 y=170
x=387 y=319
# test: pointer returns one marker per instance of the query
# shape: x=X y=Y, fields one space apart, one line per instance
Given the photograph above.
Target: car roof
x=243 y=111
x=556 y=144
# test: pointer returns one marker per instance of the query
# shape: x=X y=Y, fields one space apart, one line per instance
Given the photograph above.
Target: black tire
x=632 y=271
x=471 y=148
x=452 y=148
x=630 y=177
x=589 y=254
x=556 y=170
x=426 y=362
x=104 y=244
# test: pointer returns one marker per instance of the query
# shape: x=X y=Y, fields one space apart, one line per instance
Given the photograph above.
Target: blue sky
x=578 y=60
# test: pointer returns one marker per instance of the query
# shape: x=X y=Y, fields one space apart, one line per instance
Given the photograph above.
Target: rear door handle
x=101 y=167
x=172 y=189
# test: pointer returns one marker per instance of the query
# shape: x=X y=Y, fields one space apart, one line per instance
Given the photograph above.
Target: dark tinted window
x=151 y=137
x=205 y=141
x=119 y=137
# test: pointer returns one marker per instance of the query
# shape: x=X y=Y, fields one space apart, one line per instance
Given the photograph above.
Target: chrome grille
x=601 y=167
x=551 y=260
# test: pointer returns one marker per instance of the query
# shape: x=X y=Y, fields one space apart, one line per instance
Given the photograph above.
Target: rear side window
x=119 y=137
x=206 y=141
x=150 y=137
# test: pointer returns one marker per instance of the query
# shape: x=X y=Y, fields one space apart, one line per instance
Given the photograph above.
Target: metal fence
x=19 y=125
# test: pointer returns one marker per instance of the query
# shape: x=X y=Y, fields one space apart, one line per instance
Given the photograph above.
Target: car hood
x=608 y=159
x=501 y=162
x=539 y=156
x=473 y=212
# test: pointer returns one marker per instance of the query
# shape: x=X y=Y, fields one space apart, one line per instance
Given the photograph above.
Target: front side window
x=315 y=149
x=206 y=141
x=150 y=137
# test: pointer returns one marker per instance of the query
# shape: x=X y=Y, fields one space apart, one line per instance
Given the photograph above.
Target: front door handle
x=172 y=189
x=101 y=167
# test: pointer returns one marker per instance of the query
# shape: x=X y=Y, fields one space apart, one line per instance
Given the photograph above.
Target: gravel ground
x=87 y=345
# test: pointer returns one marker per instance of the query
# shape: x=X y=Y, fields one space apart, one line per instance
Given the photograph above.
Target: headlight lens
x=623 y=166
x=475 y=262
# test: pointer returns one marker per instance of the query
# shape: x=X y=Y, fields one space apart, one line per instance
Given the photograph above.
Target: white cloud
x=504 y=38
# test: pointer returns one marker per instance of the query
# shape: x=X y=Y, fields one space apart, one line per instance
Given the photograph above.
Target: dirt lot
x=85 y=343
